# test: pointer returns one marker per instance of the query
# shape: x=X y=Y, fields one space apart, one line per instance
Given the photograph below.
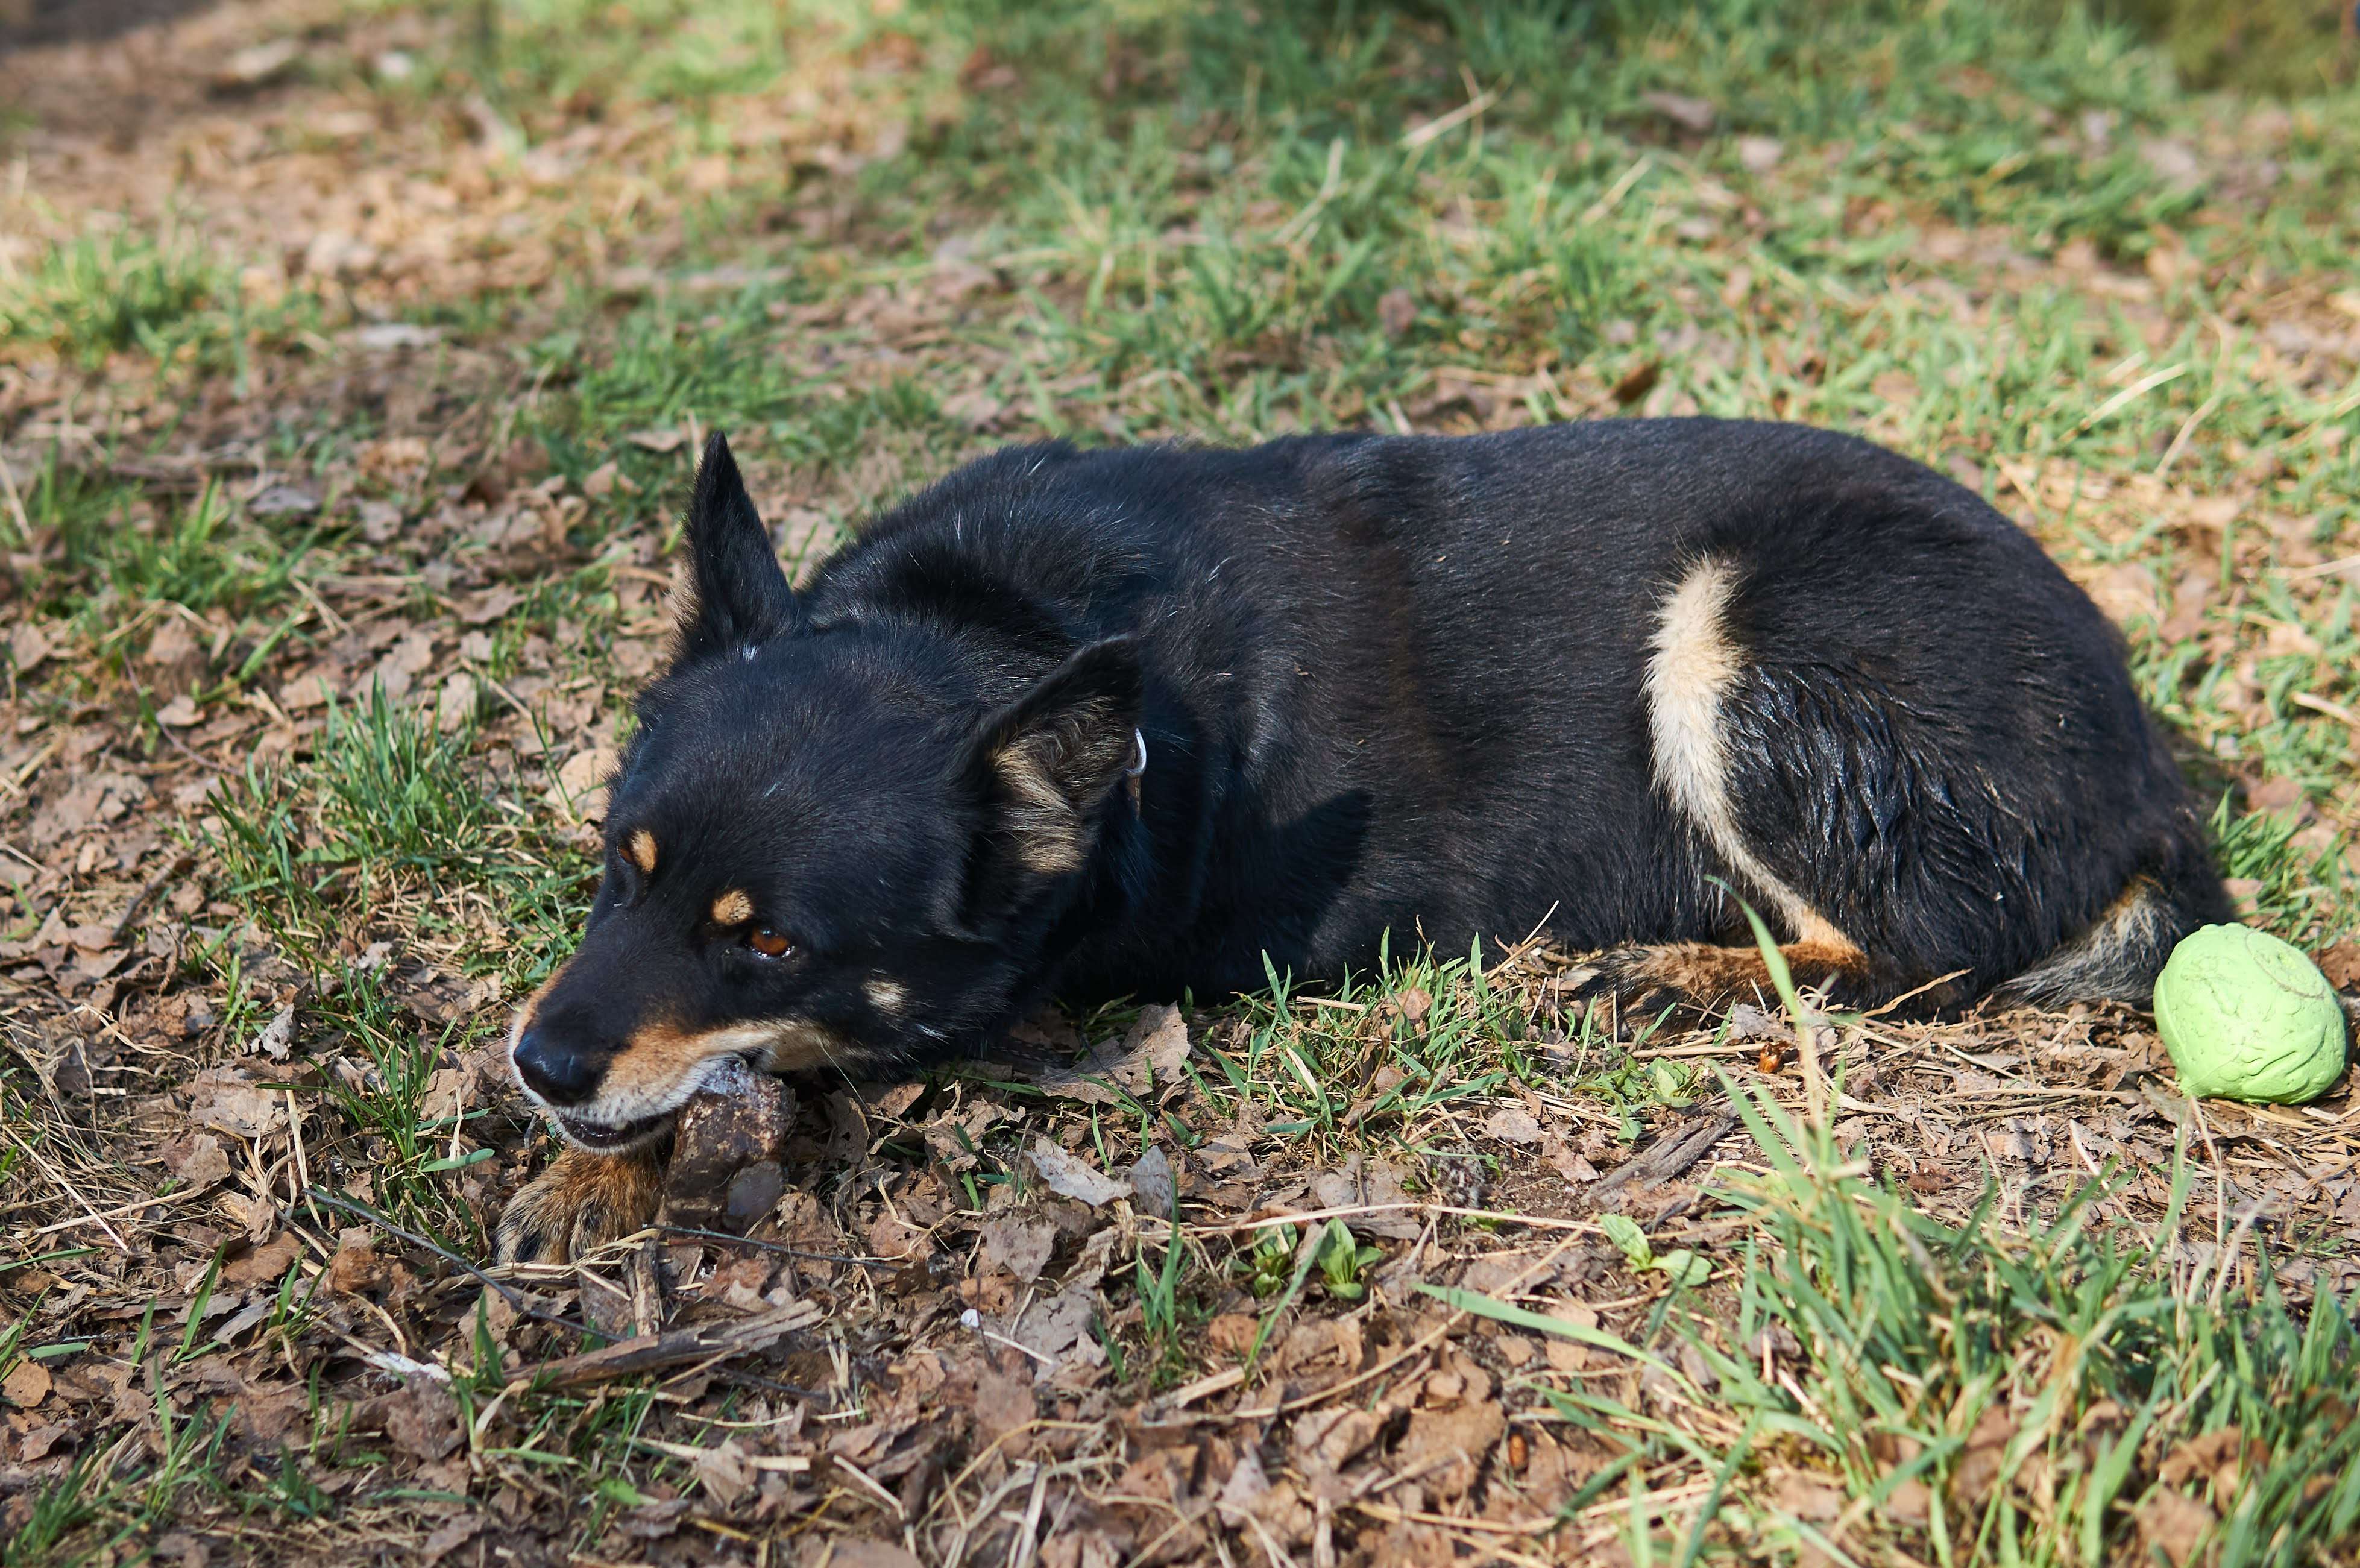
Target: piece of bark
x=735 y=1126
x=644 y=1269
x=675 y=1347
x=1667 y=1157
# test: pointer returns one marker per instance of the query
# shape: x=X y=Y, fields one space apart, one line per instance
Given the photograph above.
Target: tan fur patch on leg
x=1694 y=662
x=1705 y=979
x=582 y=1202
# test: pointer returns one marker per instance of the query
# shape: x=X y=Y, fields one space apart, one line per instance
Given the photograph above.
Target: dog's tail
x=2117 y=958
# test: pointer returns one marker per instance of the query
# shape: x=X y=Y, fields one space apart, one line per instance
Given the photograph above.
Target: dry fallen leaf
x=1689 y=113
x=227 y=1102
x=1512 y=1124
x=277 y=1036
x=1021 y=1246
x=2174 y=1524
x=1152 y=1184
x=27 y=646
x=1070 y=1178
x=200 y=1162
x=266 y=1265
x=723 y=1471
x=27 y=1384
x=305 y=693
x=1151 y=1051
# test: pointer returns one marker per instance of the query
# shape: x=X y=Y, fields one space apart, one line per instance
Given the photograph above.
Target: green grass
x=159 y=295
x=1998 y=1396
x=386 y=811
x=2084 y=1354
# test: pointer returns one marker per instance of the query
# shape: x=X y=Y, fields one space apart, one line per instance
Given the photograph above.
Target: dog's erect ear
x=1045 y=763
x=727 y=589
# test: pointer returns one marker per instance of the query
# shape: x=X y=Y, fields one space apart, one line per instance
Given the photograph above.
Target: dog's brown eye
x=769 y=943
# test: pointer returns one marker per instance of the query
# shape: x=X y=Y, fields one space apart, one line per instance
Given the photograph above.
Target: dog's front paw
x=582 y=1202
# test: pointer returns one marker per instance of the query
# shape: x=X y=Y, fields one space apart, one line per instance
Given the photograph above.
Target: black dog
x=1121 y=722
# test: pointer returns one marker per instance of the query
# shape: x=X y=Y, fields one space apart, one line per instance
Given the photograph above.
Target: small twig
x=2334 y=710
x=1420 y=1346
x=1017 y=1345
x=673 y=1347
x=2324 y=569
x=771 y=1384
x=1908 y=995
x=2128 y=395
x=1345 y=1210
x=1620 y=189
x=1300 y=225
x=190 y=752
x=140 y=900
x=1027 y=1539
x=870 y=1482
x=2180 y=442
x=1442 y=125
x=123 y=1213
x=509 y=1293
x=779 y=1247
x=14 y=784
x=1668 y=1160
x=1542 y=1525
x=16 y=502
x=71 y=1191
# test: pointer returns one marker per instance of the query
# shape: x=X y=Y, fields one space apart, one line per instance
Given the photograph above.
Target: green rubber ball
x=2247 y=1017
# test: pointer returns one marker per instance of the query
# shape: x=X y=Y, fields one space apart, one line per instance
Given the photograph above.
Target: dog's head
x=833 y=842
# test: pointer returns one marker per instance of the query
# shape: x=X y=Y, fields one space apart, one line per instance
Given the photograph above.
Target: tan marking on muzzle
x=650 y=1073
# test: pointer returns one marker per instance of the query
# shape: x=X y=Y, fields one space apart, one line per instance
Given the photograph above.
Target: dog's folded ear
x=1044 y=764
x=727 y=589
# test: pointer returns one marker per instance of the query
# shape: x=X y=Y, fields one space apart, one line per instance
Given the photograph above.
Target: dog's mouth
x=608 y=1137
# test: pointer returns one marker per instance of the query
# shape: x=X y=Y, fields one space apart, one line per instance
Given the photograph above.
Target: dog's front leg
x=579 y=1204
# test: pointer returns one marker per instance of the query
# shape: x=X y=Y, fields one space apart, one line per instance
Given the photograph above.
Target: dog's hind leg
x=1703 y=978
x=1929 y=809
x=1696 y=666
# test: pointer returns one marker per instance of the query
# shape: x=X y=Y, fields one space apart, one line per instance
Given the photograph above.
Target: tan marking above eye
x=732 y=908
x=641 y=847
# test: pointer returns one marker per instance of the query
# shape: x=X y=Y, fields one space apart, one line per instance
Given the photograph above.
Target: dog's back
x=1571 y=676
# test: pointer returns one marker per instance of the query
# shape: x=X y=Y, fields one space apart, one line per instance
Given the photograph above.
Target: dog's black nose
x=559 y=1073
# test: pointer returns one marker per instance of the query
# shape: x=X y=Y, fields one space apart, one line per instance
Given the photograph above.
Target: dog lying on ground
x=1119 y=723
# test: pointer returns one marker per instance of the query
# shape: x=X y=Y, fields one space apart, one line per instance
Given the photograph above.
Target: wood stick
x=673 y=1347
